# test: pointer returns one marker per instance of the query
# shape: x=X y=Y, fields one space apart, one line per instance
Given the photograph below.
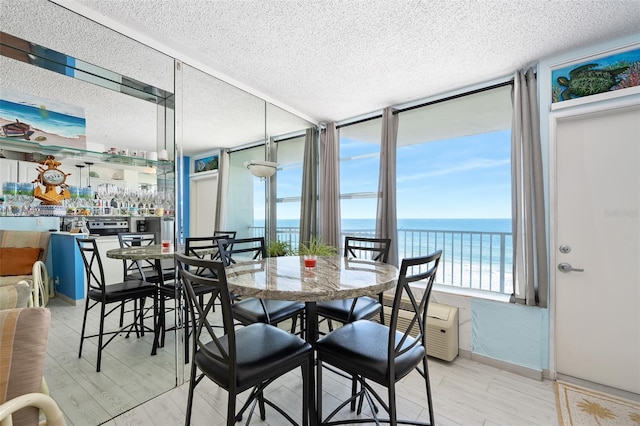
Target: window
x=359 y=169
x=246 y=196
x=454 y=188
x=289 y=154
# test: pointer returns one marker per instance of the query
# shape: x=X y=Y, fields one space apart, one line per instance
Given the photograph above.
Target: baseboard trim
x=507 y=366
x=67 y=299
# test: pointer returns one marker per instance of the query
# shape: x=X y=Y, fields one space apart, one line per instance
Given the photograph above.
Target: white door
x=597 y=228
x=203 y=206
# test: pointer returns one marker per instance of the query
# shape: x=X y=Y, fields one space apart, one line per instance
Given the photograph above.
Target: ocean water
x=477 y=253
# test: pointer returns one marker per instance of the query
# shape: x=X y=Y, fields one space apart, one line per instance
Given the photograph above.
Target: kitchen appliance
x=108 y=225
x=161 y=226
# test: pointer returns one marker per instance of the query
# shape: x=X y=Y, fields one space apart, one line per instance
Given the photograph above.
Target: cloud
x=472 y=164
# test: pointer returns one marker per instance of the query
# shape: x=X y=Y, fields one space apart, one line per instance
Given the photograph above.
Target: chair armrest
x=52 y=413
x=40 y=289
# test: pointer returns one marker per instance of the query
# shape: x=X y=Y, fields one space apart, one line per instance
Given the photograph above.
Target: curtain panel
x=330 y=185
x=309 y=195
x=386 y=215
x=530 y=264
x=220 y=221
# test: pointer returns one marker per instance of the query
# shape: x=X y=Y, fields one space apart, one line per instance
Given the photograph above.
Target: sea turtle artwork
x=588 y=80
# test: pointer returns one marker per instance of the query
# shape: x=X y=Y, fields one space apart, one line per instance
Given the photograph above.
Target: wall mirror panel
x=114 y=119
x=104 y=73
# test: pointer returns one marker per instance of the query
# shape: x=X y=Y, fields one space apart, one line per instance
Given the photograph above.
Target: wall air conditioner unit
x=442 y=327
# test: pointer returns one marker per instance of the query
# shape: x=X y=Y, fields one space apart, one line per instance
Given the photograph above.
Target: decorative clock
x=52 y=178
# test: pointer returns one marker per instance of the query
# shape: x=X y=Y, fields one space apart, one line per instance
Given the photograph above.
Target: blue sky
x=466 y=177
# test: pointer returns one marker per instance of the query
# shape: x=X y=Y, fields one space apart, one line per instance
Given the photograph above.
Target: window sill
x=469 y=292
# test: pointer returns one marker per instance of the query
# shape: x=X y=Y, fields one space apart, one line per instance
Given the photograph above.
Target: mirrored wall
x=126 y=91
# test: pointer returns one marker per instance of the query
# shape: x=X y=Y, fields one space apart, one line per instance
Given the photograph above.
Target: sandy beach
x=49 y=138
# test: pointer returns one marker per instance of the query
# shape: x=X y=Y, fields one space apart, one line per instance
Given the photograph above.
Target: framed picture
x=206 y=164
x=603 y=76
x=45 y=121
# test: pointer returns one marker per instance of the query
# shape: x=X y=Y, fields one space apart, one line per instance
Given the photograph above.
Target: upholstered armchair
x=23 y=350
x=22 y=256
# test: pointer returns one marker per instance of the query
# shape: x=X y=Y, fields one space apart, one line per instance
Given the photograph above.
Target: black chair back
x=422 y=268
x=222 y=335
x=138 y=269
x=92 y=265
x=233 y=250
x=230 y=235
x=376 y=249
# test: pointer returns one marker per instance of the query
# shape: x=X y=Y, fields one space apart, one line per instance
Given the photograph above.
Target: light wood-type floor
x=465 y=392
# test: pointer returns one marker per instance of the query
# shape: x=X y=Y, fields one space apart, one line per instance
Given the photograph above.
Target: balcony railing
x=470 y=259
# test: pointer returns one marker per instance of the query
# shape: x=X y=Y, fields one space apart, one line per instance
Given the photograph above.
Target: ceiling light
x=261 y=169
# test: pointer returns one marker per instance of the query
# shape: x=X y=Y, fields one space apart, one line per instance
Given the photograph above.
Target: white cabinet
x=27 y=171
x=17 y=171
x=8 y=170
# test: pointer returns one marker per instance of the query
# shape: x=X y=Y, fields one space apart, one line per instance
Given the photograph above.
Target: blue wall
x=184 y=201
x=513 y=333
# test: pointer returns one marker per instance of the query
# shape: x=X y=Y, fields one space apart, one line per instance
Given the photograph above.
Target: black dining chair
x=242 y=359
x=368 y=350
x=348 y=310
x=147 y=270
x=230 y=235
x=206 y=248
x=251 y=309
x=98 y=293
x=143 y=269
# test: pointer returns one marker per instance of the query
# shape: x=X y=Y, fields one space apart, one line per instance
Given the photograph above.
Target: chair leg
x=141 y=315
x=185 y=321
x=122 y=313
x=192 y=385
x=393 y=412
x=307 y=411
x=354 y=390
x=318 y=412
x=84 y=325
x=154 y=347
x=231 y=408
x=263 y=414
x=102 y=310
x=428 y=388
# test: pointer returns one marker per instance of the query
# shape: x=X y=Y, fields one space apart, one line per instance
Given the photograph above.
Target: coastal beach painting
x=617 y=71
x=47 y=122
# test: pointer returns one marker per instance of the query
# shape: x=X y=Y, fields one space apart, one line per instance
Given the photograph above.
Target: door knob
x=566 y=267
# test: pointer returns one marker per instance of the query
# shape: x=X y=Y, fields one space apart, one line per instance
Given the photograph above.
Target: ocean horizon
x=477 y=253
x=459 y=224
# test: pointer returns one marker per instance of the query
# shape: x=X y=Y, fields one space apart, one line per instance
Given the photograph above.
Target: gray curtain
x=330 y=185
x=386 y=219
x=220 y=219
x=530 y=265
x=309 y=201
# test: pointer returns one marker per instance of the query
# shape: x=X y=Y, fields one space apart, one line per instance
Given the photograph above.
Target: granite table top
x=149 y=252
x=286 y=278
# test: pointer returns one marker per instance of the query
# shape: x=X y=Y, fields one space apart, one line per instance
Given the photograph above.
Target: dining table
x=156 y=253
x=287 y=278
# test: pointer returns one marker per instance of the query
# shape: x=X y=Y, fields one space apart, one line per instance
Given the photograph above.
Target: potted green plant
x=278 y=248
x=314 y=248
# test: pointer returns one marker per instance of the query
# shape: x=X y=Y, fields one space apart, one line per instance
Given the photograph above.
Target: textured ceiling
x=333 y=60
